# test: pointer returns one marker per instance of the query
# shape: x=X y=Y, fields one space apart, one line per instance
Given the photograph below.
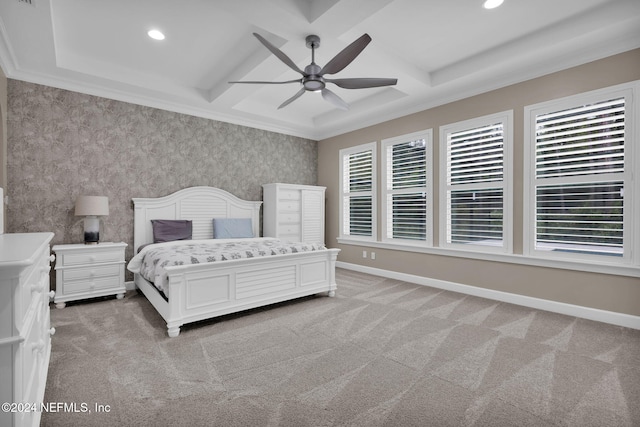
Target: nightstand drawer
x=88 y=273
x=94 y=257
x=84 y=286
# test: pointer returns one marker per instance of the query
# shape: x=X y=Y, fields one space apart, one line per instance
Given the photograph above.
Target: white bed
x=203 y=291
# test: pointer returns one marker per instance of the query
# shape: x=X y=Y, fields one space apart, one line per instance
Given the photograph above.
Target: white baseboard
x=614 y=318
x=130 y=286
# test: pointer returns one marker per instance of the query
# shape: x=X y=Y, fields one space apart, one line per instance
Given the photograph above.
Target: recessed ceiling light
x=156 y=35
x=492 y=4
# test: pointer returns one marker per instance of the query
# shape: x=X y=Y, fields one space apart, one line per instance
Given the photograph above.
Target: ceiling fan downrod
x=313 y=81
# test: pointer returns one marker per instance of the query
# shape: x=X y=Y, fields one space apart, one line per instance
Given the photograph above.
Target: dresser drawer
x=91 y=272
x=32 y=351
x=93 y=257
x=33 y=287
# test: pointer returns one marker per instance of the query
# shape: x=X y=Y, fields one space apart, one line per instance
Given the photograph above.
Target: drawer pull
x=52 y=294
x=52 y=331
x=92 y=273
x=92 y=258
x=52 y=258
x=37 y=288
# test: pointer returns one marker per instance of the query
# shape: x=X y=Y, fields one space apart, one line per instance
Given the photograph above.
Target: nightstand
x=88 y=271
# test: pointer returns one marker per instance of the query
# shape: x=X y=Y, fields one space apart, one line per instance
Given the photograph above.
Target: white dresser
x=89 y=271
x=25 y=330
x=293 y=212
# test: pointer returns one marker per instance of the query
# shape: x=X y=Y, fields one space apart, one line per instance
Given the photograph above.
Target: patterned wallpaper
x=62 y=144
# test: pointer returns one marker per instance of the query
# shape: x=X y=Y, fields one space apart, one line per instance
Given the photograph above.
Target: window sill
x=566 y=264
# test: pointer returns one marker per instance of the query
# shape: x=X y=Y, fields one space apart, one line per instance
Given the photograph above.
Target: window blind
x=357 y=190
x=579 y=171
x=475 y=190
x=406 y=190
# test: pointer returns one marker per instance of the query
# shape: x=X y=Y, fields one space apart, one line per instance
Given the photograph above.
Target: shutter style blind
x=475 y=190
x=406 y=190
x=579 y=171
x=358 y=198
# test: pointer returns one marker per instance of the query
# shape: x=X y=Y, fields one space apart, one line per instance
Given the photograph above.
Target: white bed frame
x=203 y=291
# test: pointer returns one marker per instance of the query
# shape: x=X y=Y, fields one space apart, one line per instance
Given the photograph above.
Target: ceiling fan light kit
x=313 y=79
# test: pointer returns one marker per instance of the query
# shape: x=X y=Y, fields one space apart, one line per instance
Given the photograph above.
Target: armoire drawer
x=288 y=194
x=289 y=230
x=289 y=206
x=289 y=218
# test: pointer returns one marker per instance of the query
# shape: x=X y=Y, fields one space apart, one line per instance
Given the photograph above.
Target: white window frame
x=344 y=153
x=631 y=202
x=506 y=118
x=387 y=191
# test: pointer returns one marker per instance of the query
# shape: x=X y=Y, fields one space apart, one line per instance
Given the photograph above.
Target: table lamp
x=91 y=207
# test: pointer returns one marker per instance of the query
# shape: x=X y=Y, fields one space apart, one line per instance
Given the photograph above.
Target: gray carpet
x=381 y=353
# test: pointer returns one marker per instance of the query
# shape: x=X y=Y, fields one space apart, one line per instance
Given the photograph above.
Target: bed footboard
x=203 y=291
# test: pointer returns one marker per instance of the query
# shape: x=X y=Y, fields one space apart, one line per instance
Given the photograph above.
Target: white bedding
x=151 y=261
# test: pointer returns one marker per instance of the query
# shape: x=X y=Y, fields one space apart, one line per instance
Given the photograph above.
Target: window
x=579 y=187
x=407 y=194
x=358 y=190
x=475 y=183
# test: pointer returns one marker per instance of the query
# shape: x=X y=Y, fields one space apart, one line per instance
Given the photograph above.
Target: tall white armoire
x=293 y=212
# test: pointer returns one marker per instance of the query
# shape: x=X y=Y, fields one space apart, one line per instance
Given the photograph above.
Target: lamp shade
x=92 y=206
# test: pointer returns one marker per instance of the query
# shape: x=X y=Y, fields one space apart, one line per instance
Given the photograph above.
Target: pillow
x=168 y=230
x=232 y=228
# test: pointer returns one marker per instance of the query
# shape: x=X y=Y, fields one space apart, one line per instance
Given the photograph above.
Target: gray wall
x=62 y=144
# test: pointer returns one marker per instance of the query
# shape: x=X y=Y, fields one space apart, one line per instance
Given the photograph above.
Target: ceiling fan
x=313 y=75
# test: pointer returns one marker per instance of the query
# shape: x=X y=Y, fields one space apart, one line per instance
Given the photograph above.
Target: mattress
x=152 y=260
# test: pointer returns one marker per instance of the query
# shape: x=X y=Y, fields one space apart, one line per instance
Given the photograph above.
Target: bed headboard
x=199 y=204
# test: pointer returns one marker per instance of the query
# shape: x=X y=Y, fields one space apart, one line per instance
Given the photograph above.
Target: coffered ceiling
x=439 y=50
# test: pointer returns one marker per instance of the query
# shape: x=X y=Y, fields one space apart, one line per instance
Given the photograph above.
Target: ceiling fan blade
x=334 y=99
x=348 y=54
x=280 y=54
x=362 y=83
x=269 y=83
x=293 y=98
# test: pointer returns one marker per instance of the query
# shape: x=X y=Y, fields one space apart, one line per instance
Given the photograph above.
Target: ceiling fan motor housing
x=312 y=80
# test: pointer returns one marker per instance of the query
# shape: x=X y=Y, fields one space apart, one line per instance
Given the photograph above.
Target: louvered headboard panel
x=199 y=204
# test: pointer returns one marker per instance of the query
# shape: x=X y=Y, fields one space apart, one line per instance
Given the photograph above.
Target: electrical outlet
x=364 y=254
x=373 y=255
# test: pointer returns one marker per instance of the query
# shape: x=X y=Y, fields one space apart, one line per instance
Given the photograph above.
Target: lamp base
x=91 y=230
